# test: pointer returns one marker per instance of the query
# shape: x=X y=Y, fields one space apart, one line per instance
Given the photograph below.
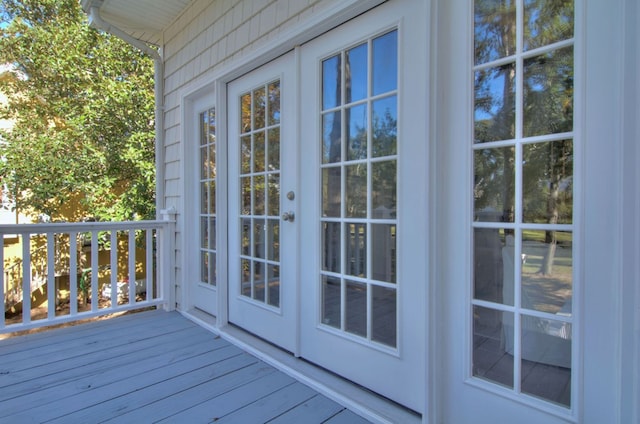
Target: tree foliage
x=82 y=103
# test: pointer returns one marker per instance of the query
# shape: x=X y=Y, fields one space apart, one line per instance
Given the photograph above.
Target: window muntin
x=359 y=191
x=523 y=221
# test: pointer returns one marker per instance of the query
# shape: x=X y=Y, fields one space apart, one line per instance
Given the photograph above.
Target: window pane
x=211 y=195
x=204 y=232
x=274 y=103
x=356 y=254
x=383 y=318
x=259 y=250
x=493 y=267
x=245 y=198
x=548 y=182
x=546 y=359
x=331 y=247
x=356 y=76
x=245 y=286
x=493 y=345
x=245 y=113
x=213 y=277
x=274 y=194
x=356 y=191
x=204 y=198
x=495 y=29
x=494 y=189
x=546 y=22
x=258 y=281
x=385 y=63
x=331 y=301
x=273 y=234
x=548 y=93
x=383 y=190
x=273 y=294
x=245 y=224
x=212 y=233
x=331 y=191
x=384 y=127
x=273 y=161
x=258 y=195
x=331 y=71
x=258 y=152
x=259 y=108
x=356 y=132
x=356 y=308
x=547 y=270
x=331 y=137
x=495 y=104
x=383 y=252
x=245 y=154
x=204 y=267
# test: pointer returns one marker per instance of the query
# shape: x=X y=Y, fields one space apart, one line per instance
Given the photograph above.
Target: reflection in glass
x=385 y=127
x=273 y=234
x=383 y=252
x=204 y=267
x=213 y=275
x=258 y=195
x=274 y=194
x=547 y=269
x=245 y=286
x=204 y=171
x=259 y=108
x=494 y=29
x=356 y=132
x=273 y=294
x=331 y=301
x=495 y=103
x=210 y=187
x=383 y=318
x=245 y=113
x=546 y=359
x=258 y=281
x=331 y=191
x=259 y=248
x=245 y=197
x=204 y=198
x=331 y=137
x=356 y=73
x=356 y=254
x=548 y=182
x=245 y=154
x=212 y=233
x=548 y=93
x=273 y=161
x=490 y=358
x=331 y=246
x=546 y=22
x=385 y=63
x=356 y=308
x=493 y=276
x=245 y=247
x=494 y=189
x=331 y=82
x=356 y=191
x=258 y=152
x=274 y=103
x=384 y=188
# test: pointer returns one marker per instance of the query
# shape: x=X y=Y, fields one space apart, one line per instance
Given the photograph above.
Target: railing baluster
x=94 y=270
x=26 y=278
x=73 y=273
x=51 y=276
x=149 y=262
x=114 y=268
x=132 y=266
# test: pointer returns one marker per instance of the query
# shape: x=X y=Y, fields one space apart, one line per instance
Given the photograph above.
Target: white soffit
x=142 y=19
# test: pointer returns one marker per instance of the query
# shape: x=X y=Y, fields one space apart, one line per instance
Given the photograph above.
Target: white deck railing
x=94 y=268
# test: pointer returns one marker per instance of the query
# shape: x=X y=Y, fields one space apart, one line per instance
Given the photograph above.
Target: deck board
x=148 y=367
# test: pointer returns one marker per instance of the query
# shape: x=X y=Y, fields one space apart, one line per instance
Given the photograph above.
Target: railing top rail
x=62 y=227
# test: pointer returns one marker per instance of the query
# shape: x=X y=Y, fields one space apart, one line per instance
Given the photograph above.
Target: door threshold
x=359 y=400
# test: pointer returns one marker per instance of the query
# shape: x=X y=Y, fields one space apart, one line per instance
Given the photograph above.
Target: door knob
x=289 y=216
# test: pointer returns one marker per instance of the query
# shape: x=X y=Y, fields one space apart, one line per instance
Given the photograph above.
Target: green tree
x=82 y=102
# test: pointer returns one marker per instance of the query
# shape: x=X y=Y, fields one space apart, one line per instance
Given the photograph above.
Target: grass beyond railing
x=63 y=272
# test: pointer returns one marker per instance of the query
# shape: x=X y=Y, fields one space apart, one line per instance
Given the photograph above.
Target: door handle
x=289 y=216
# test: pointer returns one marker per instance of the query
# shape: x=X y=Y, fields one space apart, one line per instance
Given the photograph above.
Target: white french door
x=262 y=197
x=327 y=254
x=363 y=223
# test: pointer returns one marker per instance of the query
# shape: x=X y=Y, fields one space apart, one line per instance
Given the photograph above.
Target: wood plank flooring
x=149 y=367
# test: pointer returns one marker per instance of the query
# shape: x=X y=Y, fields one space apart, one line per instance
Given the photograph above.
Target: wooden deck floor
x=149 y=367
